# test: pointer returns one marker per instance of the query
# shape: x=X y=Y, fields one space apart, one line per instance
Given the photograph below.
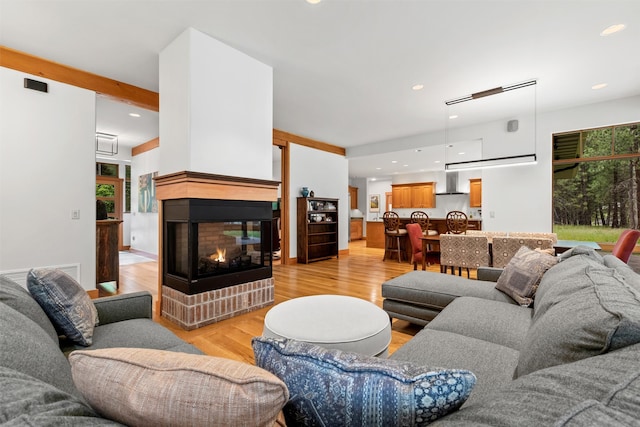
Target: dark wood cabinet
x=107 y=255
x=317 y=229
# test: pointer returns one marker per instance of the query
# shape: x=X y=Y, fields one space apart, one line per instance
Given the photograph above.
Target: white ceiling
x=343 y=69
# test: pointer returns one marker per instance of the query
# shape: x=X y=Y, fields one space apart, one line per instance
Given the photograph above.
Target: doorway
x=109 y=192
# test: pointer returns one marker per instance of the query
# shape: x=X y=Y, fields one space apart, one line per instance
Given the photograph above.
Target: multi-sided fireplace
x=212 y=244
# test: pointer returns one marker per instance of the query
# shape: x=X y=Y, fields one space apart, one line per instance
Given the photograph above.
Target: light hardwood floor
x=358 y=274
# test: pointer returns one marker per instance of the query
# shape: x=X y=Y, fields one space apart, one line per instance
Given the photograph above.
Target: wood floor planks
x=358 y=274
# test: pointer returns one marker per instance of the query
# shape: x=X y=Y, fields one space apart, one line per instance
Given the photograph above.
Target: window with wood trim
x=596 y=181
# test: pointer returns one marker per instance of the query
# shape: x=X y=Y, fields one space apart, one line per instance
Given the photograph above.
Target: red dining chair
x=625 y=244
x=415 y=237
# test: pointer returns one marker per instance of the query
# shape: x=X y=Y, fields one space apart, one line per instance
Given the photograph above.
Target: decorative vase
x=305 y=191
x=311 y=194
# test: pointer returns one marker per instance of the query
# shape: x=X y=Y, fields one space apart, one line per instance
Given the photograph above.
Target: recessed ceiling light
x=436 y=161
x=417 y=87
x=612 y=29
x=373 y=179
x=454 y=116
x=313 y=1
x=599 y=86
x=461 y=153
x=394 y=161
x=405 y=165
x=134 y=114
x=378 y=169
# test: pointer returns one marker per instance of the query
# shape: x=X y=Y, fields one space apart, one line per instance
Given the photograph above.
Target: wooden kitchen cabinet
x=355 y=232
x=353 y=194
x=475 y=193
x=423 y=195
x=417 y=195
x=401 y=196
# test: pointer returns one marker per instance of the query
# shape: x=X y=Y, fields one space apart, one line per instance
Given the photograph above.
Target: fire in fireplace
x=212 y=244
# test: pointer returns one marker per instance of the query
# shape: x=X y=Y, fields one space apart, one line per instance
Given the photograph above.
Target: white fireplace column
x=216 y=109
x=216 y=124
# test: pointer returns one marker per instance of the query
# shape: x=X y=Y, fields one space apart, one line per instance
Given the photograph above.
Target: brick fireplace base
x=194 y=311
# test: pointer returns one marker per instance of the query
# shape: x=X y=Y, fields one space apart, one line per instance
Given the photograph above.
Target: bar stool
x=393 y=234
x=421 y=218
x=457 y=222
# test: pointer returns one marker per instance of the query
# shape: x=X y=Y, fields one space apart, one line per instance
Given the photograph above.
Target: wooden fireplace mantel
x=199 y=185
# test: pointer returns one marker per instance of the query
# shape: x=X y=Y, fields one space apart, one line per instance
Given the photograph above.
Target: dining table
x=564 y=245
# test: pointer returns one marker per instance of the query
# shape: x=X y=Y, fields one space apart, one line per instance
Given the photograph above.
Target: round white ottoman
x=332 y=321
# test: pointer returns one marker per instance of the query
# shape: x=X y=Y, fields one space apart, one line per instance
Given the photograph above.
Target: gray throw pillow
x=66 y=303
x=522 y=275
x=602 y=314
x=339 y=388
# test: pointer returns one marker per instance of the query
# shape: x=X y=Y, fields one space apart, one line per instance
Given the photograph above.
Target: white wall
x=519 y=197
x=327 y=175
x=216 y=109
x=47 y=169
x=144 y=225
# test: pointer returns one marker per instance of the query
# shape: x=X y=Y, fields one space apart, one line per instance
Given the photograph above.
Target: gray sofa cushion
x=27 y=348
x=436 y=290
x=598 y=391
x=18 y=298
x=562 y=281
x=492 y=321
x=492 y=364
x=28 y=401
x=139 y=333
x=631 y=277
x=602 y=313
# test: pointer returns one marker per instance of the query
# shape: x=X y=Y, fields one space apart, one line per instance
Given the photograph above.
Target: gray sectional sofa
x=573 y=359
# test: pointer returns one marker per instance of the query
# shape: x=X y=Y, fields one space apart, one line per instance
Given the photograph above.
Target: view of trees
x=602 y=186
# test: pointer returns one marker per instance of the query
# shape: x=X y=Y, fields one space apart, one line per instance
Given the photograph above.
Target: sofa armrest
x=117 y=308
x=490 y=274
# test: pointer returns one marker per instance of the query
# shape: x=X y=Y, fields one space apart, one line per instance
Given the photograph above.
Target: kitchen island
x=375 y=231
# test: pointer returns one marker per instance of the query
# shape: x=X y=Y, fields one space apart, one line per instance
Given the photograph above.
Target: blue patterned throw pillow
x=337 y=388
x=66 y=303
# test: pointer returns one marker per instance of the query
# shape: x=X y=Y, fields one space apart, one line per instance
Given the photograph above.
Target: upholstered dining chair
x=625 y=244
x=422 y=218
x=415 y=238
x=395 y=236
x=457 y=222
x=463 y=252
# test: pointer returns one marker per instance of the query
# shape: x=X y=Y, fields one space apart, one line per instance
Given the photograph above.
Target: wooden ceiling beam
x=279 y=136
x=119 y=91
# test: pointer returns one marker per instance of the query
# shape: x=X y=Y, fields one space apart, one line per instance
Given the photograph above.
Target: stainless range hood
x=452 y=185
